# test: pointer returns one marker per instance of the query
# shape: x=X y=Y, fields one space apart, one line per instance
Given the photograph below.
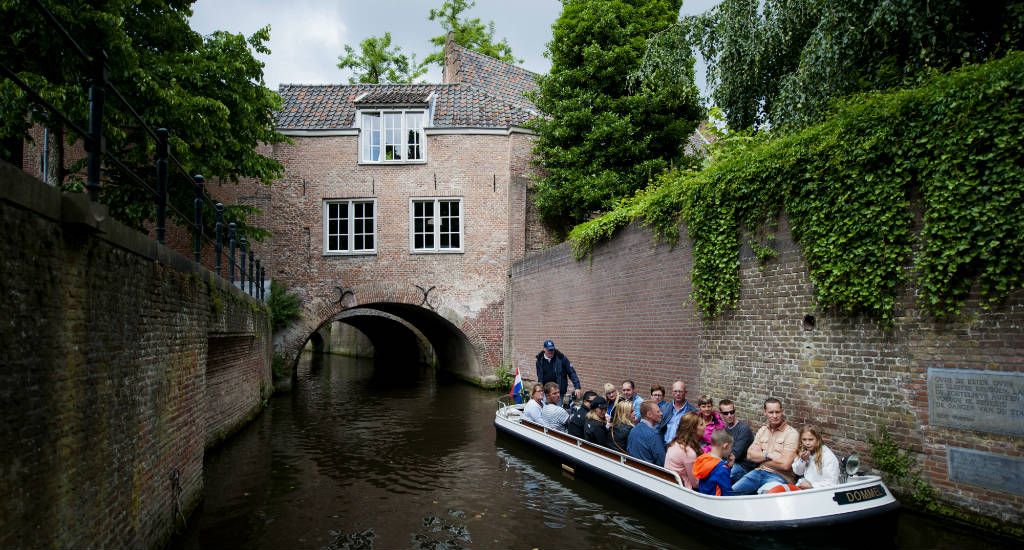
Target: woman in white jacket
x=816 y=463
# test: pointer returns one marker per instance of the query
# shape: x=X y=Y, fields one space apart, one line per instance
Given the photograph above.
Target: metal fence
x=241 y=258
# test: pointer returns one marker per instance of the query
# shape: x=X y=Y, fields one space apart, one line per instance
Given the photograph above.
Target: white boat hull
x=860 y=498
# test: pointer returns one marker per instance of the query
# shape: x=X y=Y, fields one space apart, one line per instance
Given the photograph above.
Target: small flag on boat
x=517 y=388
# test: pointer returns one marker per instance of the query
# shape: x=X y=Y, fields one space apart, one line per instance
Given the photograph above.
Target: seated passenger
x=644 y=440
x=710 y=420
x=622 y=423
x=774 y=449
x=816 y=462
x=684 y=450
x=533 y=407
x=553 y=415
x=629 y=394
x=596 y=428
x=611 y=396
x=578 y=418
x=712 y=469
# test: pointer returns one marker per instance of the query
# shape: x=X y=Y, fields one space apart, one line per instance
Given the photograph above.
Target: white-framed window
x=435 y=224
x=350 y=226
x=391 y=136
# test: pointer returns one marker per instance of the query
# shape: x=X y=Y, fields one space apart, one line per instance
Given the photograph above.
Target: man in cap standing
x=554 y=366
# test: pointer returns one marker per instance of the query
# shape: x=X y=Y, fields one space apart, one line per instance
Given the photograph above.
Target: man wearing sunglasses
x=741 y=439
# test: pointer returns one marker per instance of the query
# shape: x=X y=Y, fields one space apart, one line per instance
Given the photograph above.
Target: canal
x=358 y=457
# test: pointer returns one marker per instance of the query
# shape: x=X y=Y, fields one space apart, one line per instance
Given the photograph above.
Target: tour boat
x=858 y=498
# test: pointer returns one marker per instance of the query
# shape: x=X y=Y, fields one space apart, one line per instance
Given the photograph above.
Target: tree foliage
x=207 y=90
x=927 y=177
x=378 y=63
x=603 y=138
x=782 y=62
x=468 y=33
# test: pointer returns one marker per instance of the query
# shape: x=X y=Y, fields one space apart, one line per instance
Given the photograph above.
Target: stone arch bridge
x=404 y=322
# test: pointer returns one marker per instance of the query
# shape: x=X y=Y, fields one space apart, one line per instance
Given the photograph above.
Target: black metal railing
x=164 y=160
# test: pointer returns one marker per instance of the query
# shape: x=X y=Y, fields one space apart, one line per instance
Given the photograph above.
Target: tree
x=207 y=90
x=602 y=139
x=783 y=62
x=468 y=33
x=378 y=63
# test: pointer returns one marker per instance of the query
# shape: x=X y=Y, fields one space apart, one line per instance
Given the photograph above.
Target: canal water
x=357 y=457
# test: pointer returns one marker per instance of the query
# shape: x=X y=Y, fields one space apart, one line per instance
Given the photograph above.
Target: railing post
x=257 y=295
x=197 y=241
x=161 y=185
x=241 y=277
x=95 y=144
x=252 y=258
x=231 y=252
x=263 y=284
x=218 y=230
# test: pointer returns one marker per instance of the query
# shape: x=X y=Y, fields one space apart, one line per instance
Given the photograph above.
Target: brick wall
x=481 y=168
x=103 y=371
x=626 y=312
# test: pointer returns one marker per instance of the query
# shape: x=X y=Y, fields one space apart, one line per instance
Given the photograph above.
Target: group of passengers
x=712 y=451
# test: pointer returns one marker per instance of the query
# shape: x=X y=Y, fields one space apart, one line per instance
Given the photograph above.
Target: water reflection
x=398 y=457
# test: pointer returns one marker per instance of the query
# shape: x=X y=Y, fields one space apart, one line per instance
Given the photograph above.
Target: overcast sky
x=307 y=36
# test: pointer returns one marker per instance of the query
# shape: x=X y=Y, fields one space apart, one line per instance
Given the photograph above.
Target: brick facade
x=109 y=347
x=626 y=313
x=475 y=151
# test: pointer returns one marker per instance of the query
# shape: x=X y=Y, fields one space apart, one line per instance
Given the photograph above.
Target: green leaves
x=378 y=63
x=468 y=33
x=947 y=151
x=603 y=139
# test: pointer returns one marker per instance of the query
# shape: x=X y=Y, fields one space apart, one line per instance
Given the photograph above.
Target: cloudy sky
x=307 y=36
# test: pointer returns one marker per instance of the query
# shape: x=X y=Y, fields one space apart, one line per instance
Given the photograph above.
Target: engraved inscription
x=989 y=470
x=984 y=401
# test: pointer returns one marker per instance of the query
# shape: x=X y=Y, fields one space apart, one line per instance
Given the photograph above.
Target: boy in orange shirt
x=711 y=470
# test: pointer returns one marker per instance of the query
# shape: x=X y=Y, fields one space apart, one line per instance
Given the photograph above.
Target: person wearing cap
x=554 y=366
x=596 y=429
x=578 y=418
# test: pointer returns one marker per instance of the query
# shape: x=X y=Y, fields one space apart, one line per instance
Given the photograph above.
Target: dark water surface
x=357 y=458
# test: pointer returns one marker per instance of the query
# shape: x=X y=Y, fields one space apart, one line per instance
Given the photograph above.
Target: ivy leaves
x=947 y=151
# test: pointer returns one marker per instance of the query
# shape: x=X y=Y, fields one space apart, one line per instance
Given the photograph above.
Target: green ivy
x=948 y=151
x=284 y=307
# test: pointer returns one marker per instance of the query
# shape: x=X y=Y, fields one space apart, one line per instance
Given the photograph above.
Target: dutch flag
x=517 y=388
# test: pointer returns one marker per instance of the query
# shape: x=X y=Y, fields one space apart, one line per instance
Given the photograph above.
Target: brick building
x=405 y=201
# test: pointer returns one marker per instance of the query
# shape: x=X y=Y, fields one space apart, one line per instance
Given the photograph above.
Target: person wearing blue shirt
x=629 y=394
x=644 y=440
x=679 y=407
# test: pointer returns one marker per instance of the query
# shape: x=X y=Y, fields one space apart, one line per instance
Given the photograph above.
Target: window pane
x=454 y=205
x=332 y=227
x=455 y=225
x=417 y=241
x=444 y=240
x=358 y=243
x=414 y=135
x=428 y=240
x=332 y=244
x=392 y=136
x=371 y=137
x=455 y=241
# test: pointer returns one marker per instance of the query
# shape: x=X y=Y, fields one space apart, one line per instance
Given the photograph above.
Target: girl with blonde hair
x=815 y=462
x=622 y=424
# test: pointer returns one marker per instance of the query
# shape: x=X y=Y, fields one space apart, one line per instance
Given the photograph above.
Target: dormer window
x=391 y=135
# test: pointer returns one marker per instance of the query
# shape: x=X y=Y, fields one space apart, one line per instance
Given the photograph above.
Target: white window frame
x=350 y=227
x=436 y=220
x=404 y=142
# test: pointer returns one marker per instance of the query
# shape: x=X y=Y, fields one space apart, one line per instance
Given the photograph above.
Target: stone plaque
x=989 y=470
x=985 y=401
